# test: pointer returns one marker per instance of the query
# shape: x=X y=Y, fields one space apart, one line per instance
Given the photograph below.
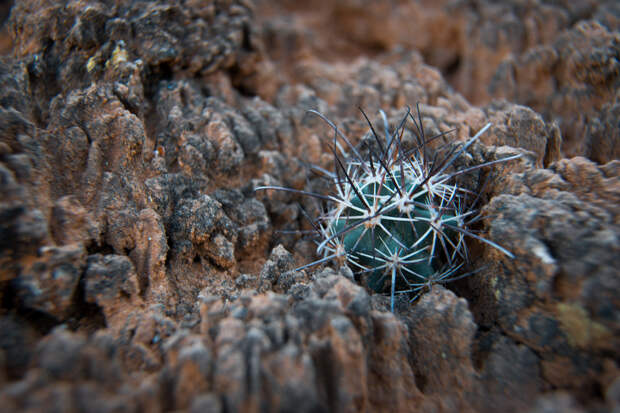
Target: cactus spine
x=395 y=216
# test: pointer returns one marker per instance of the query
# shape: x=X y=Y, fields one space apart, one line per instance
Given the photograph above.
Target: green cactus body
x=401 y=234
x=394 y=217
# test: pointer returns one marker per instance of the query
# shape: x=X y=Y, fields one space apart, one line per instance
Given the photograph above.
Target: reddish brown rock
x=521 y=127
x=573 y=80
x=49 y=283
x=140 y=271
x=111 y=282
x=530 y=55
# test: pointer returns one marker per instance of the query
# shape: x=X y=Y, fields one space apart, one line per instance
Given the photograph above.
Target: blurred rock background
x=139 y=270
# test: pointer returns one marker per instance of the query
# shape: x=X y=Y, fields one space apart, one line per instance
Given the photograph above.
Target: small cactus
x=395 y=216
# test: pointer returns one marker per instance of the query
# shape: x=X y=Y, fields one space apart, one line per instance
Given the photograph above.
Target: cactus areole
x=395 y=216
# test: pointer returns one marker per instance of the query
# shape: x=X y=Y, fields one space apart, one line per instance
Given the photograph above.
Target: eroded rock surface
x=140 y=271
x=558 y=57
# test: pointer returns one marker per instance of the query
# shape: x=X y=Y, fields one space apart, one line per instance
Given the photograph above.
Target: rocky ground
x=140 y=271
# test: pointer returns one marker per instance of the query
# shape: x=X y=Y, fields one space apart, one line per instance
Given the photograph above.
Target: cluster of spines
x=395 y=217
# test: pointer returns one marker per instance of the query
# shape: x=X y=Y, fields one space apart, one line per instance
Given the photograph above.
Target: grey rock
x=49 y=283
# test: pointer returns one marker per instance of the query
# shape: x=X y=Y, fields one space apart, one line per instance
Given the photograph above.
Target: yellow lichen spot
x=496 y=291
x=581 y=331
x=119 y=55
x=90 y=65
